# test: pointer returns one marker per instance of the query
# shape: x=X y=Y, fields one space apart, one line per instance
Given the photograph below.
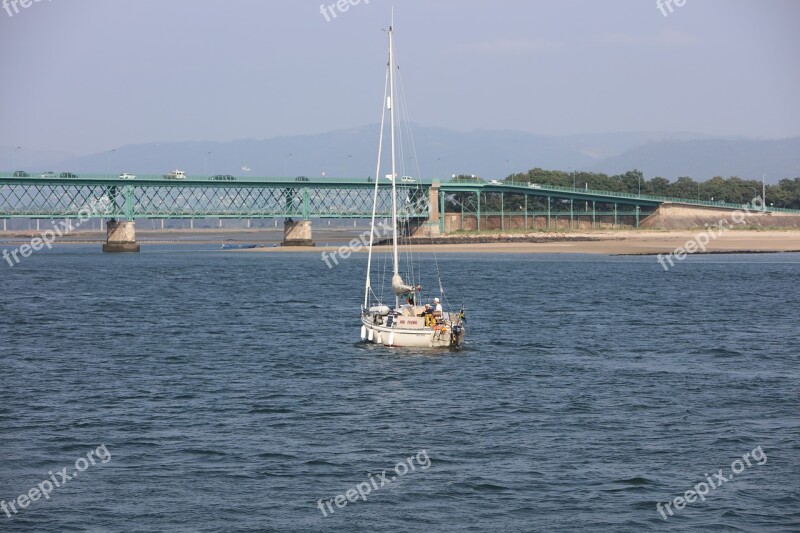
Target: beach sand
x=611 y=242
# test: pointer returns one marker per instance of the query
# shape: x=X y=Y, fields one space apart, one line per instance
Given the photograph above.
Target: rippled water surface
x=231 y=394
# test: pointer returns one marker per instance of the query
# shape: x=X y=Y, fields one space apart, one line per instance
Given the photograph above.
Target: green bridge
x=432 y=207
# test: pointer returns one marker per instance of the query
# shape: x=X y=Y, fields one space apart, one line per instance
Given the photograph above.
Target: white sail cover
x=399 y=286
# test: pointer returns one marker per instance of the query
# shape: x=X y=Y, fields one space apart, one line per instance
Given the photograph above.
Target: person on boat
x=428 y=315
x=437 y=309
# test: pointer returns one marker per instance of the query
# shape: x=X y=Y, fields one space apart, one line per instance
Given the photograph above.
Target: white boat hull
x=440 y=337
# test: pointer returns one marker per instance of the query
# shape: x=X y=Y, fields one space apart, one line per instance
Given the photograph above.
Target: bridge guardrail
x=35 y=177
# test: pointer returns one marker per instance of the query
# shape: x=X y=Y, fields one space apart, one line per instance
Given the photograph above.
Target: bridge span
x=434 y=207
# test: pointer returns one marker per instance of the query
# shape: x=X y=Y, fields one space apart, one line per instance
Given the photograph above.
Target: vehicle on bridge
x=403 y=179
x=21 y=174
x=68 y=175
x=47 y=175
x=175 y=175
x=301 y=178
x=495 y=182
x=220 y=177
x=466 y=179
x=126 y=176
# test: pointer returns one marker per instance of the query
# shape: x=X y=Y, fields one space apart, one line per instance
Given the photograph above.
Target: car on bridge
x=407 y=179
x=68 y=175
x=47 y=175
x=221 y=177
x=495 y=182
x=21 y=174
x=126 y=176
x=301 y=178
x=534 y=186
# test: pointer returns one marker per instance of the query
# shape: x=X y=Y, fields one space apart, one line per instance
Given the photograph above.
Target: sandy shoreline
x=612 y=243
x=619 y=242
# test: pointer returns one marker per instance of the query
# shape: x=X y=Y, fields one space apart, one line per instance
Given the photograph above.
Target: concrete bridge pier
x=434 y=225
x=121 y=236
x=297 y=233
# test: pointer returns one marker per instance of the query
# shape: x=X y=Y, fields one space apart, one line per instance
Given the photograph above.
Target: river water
x=195 y=390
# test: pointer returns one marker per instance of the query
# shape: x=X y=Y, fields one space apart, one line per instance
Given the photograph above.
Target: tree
x=732 y=190
x=785 y=194
x=657 y=187
x=685 y=187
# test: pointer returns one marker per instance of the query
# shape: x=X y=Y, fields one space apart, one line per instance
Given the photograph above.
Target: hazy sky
x=86 y=76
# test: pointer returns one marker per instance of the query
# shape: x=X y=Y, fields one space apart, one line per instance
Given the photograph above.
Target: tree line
x=734 y=190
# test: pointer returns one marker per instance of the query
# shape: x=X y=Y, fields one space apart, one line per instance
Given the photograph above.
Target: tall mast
x=375 y=192
x=394 y=167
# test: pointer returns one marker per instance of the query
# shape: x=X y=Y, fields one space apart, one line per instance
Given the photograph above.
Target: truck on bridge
x=175 y=175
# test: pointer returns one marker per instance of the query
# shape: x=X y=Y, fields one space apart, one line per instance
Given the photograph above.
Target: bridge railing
x=626 y=195
x=294 y=180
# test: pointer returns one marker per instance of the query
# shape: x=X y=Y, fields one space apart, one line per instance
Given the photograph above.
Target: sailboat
x=410 y=321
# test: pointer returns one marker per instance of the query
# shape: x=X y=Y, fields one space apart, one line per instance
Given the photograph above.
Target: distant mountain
x=706 y=158
x=603 y=145
x=441 y=153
